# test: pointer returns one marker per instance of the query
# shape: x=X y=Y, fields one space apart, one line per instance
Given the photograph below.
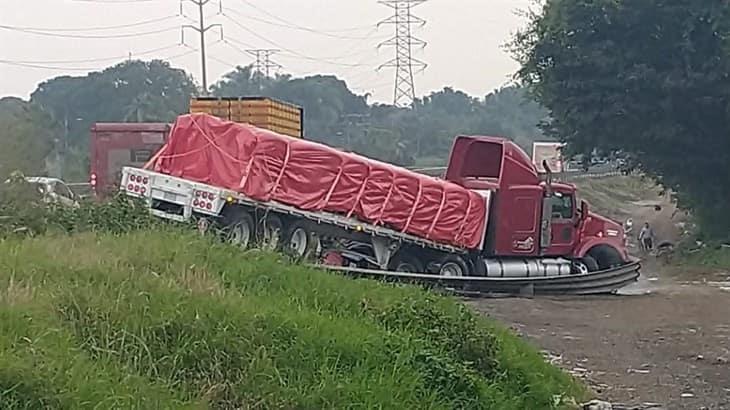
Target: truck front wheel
x=585 y=265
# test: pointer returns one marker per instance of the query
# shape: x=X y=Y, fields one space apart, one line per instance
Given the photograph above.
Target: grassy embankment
x=167 y=320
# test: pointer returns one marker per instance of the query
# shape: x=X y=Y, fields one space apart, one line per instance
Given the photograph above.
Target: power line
x=115 y=1
x=287 y=50
x=403 y=41
x=202 y=29
x=137 y=24
x=294 y=26
x=86 y=69
x=79 y=36
x=95 y=60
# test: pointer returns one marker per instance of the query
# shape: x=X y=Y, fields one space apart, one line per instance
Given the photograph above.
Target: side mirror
x=584 y=209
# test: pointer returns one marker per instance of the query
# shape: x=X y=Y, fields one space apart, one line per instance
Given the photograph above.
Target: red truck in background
x=510 y=223
x=116 y=145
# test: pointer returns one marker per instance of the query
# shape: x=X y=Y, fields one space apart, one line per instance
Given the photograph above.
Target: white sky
x=464 y=51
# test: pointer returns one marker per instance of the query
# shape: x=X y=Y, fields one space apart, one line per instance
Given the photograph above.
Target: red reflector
x=197 y=193
x=132 y=178
x=209 y=206
x=196 y=202
x=143 y=190
x=145 y=180
x=136 y=188
x=205 y=195
x=130 y=187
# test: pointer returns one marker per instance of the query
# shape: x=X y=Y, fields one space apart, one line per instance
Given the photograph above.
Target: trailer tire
x=271 y=232
x=406 y=262
x=241 y=231
x=454 y=266
x=300 y=242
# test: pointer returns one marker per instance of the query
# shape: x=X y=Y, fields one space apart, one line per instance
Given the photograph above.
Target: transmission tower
x=202 y=29
x=403 y=41
x=264 y=63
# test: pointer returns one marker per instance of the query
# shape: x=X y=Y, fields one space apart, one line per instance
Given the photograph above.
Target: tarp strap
x=457 y=239
x=415 y=206
x=244 y=178
x=362 y=190
x=212 y=142
x=387 y=199
x=283 y=169
x=438 y=214
x=334 y=185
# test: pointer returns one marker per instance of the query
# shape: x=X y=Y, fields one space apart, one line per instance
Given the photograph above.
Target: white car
x=54 y=190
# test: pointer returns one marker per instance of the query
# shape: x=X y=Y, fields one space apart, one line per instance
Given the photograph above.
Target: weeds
x=116 y=315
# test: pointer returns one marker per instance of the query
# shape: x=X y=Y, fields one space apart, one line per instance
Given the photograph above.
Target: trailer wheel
x=405 y=262
x=272 y=229
x=241 y=232
x=454 y=265
x=300 y=243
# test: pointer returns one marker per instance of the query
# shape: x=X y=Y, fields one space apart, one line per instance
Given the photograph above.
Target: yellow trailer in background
x=263 y=112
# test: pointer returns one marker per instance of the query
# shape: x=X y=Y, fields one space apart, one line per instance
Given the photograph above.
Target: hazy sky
x=465 y=39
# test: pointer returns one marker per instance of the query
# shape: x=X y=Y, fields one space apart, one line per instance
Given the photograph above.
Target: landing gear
x=271 y=232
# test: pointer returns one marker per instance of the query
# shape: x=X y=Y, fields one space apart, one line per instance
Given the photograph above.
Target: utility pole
x=201 y=29
x=264 y=63
x=403 y=41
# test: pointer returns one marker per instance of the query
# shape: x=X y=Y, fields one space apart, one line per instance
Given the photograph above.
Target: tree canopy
x=27 y=136
x=136 y=91
x=132 y=91
x=648 y=78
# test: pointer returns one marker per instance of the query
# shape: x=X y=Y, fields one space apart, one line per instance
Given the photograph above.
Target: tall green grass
x=158 y=320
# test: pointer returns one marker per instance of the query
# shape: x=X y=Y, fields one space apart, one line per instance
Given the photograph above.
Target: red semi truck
x=492 y=216
x=116 y=145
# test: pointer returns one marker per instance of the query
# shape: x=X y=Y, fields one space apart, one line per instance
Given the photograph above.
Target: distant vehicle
x=549 y=152
x=117 y=145
x=53 y=190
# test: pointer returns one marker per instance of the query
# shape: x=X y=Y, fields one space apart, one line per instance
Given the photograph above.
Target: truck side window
x=562 y=206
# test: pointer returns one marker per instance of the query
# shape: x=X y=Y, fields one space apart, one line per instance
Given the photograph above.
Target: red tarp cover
x=267 y=166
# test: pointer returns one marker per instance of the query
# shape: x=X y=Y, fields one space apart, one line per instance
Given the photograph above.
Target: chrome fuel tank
x=527 y=268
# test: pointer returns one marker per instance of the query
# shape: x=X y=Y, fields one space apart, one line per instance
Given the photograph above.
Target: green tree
x=133 y=91
x=27 y=136
x=645 y=77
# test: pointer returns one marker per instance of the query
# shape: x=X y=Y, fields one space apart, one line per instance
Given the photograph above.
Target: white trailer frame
x=182 y=192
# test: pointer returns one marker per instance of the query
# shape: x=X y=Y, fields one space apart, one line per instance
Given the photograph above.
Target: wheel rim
x=298 y=242
x=451 y=269
x=240 y=235
x=406 y=267
x=581 y=268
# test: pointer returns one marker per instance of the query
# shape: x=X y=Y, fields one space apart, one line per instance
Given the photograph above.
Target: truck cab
x=531 y=216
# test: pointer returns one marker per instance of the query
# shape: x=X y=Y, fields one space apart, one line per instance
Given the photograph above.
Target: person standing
x=646 y=237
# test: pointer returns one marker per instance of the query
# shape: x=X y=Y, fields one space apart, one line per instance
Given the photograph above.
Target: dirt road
x=665 y=342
